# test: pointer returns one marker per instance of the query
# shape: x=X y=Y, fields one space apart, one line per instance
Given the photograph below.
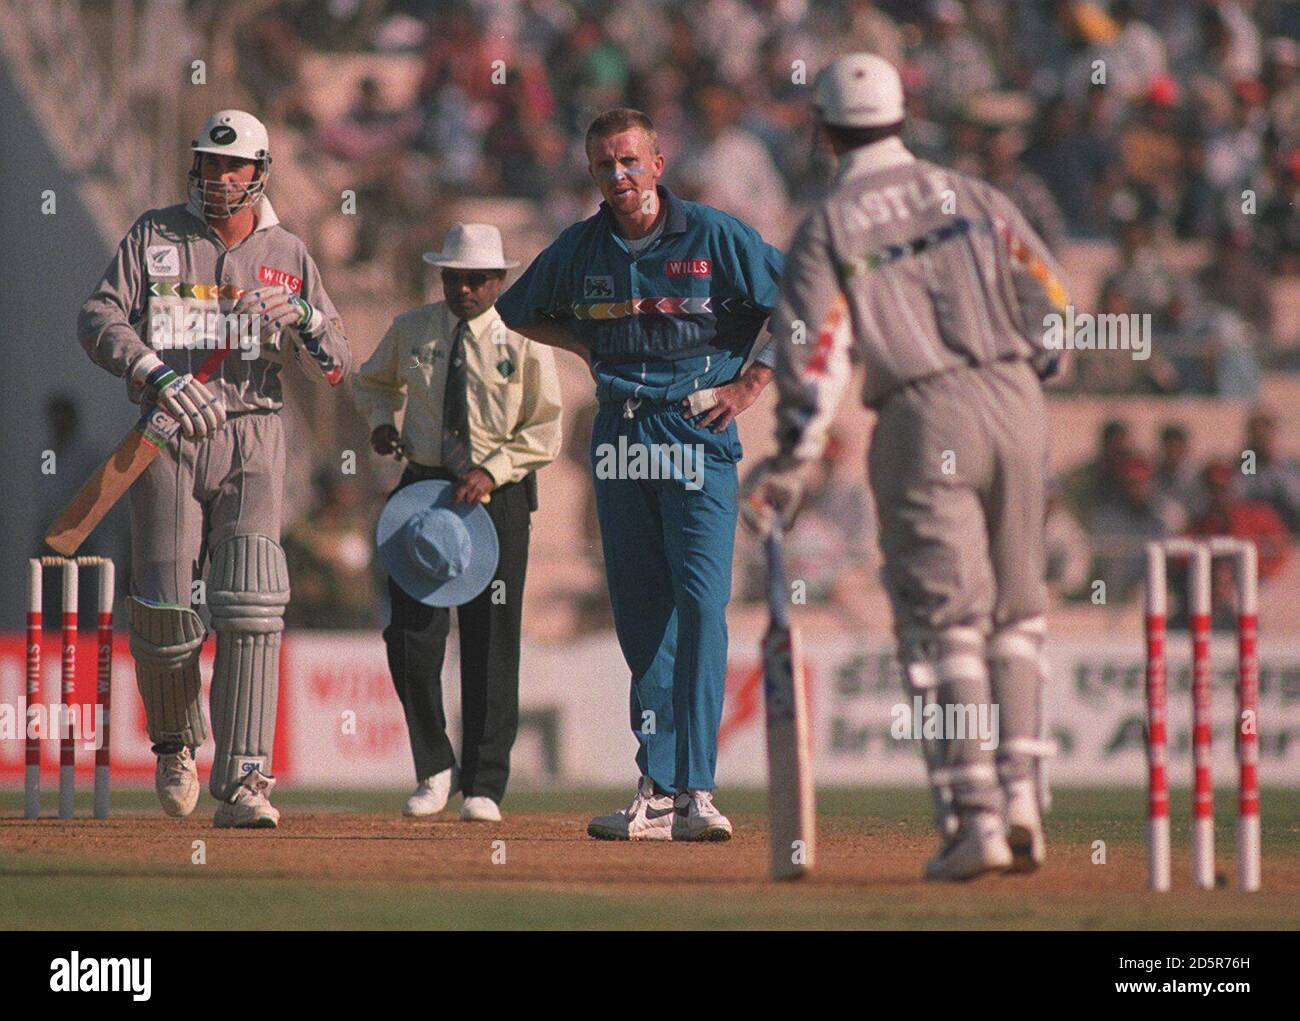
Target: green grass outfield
x=82 y=893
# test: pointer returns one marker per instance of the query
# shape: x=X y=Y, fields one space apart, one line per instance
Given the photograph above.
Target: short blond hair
x=622 y=118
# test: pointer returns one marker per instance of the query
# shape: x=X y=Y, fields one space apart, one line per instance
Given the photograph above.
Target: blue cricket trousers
x=668 y=544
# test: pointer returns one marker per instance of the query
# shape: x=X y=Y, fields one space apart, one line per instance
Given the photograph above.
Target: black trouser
x=489 y=657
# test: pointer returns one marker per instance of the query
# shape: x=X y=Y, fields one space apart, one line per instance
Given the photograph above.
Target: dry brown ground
x=546 y=850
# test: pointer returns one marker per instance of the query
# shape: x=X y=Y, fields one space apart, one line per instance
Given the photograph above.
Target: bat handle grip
x=777 y=590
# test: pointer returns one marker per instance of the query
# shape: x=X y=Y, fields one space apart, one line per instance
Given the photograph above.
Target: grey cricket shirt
x=172 y=266
x=912 y=269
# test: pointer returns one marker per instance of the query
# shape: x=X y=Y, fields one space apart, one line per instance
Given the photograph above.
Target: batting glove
x=276 y=308
x=774 y=488
x=187 y=400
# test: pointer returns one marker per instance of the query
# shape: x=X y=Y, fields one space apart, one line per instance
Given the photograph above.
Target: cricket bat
x=791 y=807
x=149 y=436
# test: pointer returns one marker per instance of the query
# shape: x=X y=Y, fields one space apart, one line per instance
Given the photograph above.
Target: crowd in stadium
x=1141 y=124
x=1125 y=497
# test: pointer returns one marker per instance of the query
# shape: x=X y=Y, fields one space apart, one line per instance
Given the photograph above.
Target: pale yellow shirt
x=514 y=392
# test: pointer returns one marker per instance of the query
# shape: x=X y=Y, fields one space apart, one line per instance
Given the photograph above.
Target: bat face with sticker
x=791 y=800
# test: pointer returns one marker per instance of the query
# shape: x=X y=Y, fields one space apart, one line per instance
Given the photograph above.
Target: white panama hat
x=471 y=246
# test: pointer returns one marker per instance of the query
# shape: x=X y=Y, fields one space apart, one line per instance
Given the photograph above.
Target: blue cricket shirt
x=682 y=316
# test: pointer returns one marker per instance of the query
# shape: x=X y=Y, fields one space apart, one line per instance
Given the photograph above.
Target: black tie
x=455 y=407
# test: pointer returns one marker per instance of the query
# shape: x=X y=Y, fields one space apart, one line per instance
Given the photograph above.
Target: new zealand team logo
x=222 y=134
x=163 y=260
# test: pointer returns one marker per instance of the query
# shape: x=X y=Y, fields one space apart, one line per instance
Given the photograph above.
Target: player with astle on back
x=934 y=282
x=218 y=272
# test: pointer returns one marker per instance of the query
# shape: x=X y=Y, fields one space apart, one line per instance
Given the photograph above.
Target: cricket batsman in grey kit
x=937 y=286
x=218 y=272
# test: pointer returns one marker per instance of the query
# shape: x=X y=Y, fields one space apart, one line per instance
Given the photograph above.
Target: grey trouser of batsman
x=957 y=465
x=214 y=502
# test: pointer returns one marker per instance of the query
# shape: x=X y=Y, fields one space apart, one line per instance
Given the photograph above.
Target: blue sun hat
x=439 y=552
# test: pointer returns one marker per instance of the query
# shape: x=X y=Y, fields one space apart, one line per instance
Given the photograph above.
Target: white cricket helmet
x=230 y=133
x=859 y=90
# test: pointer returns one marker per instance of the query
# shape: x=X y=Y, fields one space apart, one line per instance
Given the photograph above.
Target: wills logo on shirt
x=268 y=275
x=598 y=287
x=688 y=268
x=164 y=260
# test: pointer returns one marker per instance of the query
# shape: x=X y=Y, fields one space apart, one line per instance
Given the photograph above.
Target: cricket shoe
x=979 y=846
x=696 y=817
x=176 y=779
x=480 y=809
x=249 y=808
x=430 y=797
x=1024 y=826
x=649 y=817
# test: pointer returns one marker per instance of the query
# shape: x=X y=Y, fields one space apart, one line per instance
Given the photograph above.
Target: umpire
x=482 y=411
x=938 y=286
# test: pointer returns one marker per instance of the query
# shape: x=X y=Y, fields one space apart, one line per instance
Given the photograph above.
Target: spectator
x=1123 y=525
x=1210 y=347
x=1072 y=163
x=370 y=139
x=1231 y=122
x=1152 y=144
x=1069 y=552
x=1228 y=514
x=729 y=168
x=836 y=534
x=866 y=29
x=955 y=63
x=1003 y=169
x=1143 y=276
x=1230 y=42
x=370 y=130
x=523 y=152
x=1137 y=56
x=1119 y=372
x=270 y=53
x=1177 y=486
x=1279 y=213
x=1284 y=85
x=1237 y=278
x=591 y=71
x=331 y=556
x=452 y=128
x=923 y=133
x=1275 y=479
x=1096 y=483
x=730 y=33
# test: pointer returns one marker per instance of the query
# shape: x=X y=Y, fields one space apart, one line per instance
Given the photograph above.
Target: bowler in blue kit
x=664 y=300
